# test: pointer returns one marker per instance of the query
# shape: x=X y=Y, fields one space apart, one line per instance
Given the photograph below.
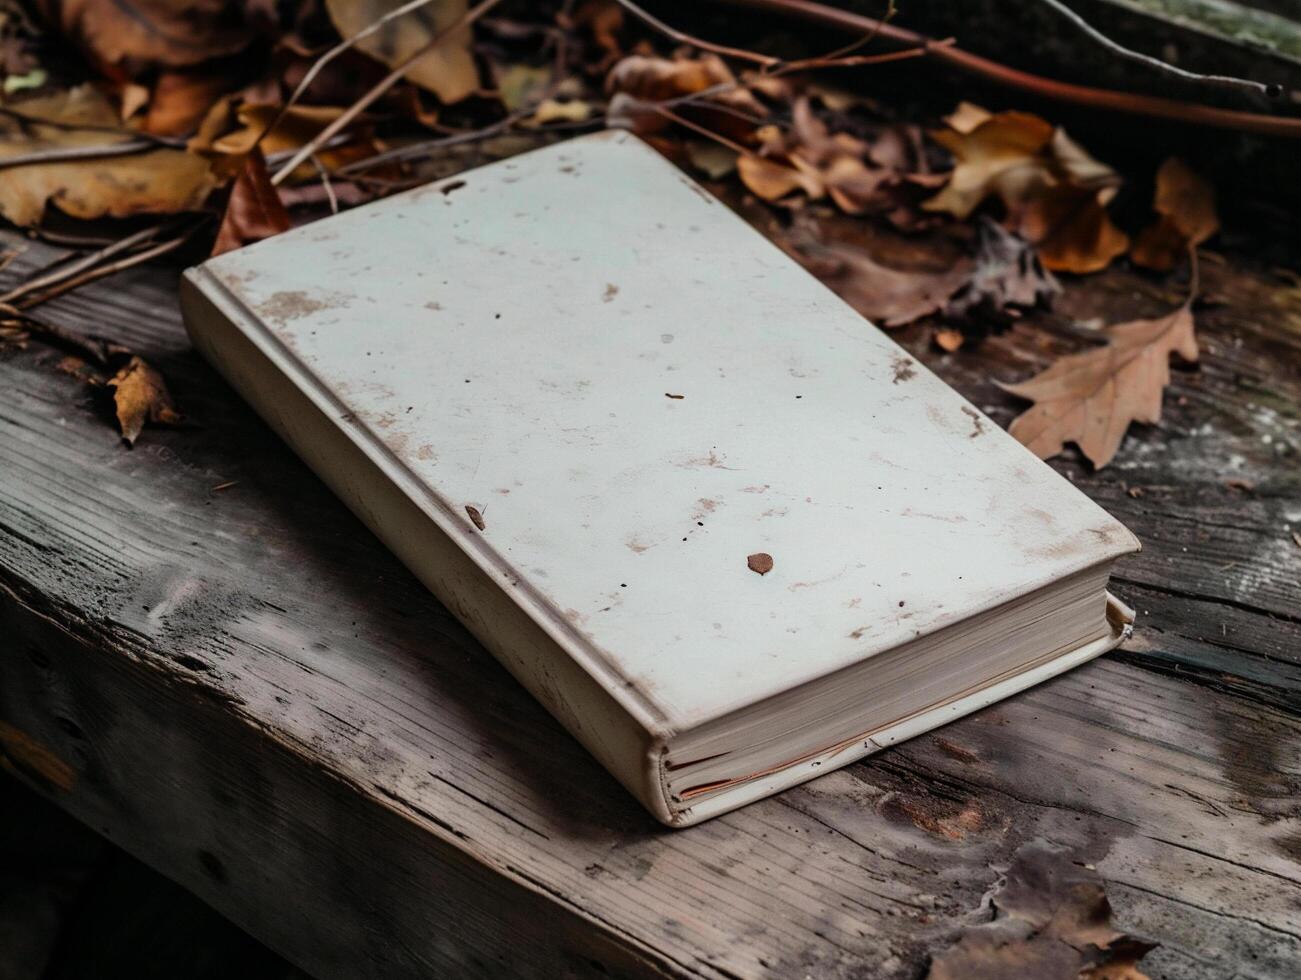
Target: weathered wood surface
x=245 y=690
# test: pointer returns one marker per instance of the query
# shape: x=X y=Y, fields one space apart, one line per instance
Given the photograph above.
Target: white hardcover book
x=727 y=531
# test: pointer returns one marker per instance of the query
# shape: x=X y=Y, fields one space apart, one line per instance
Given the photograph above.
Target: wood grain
x=254 y=697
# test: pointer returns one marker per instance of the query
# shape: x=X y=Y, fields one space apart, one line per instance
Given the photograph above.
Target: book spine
x=336 y=449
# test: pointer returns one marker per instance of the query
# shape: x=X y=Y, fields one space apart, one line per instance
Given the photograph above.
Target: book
x=729 y=533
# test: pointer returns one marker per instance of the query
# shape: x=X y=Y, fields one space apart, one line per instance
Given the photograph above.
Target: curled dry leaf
x=637 y=83
x=181 y=99
x=254 y=211
x=133 y=35
x=140 y=395
x=1053 y=192
x=1052 y=921
x=1008 y=275
x=1090 y=398
x=1186 y=205
x=448 y=71
x=297 y=128
x=161 y=181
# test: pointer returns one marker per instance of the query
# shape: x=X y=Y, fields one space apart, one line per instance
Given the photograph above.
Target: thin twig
x=94 y=151
x=702 y=130
x=682 y=37
x=1215 y=81
x=325 y=182
x=380 y=87
x=867 y=38
x=99 y=272
x=56 y=336
x=27 y=120
x=334 y=52
x=1048 y=88
x=76 y=265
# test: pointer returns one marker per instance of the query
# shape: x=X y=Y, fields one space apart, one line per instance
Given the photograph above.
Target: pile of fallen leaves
x=206 y=126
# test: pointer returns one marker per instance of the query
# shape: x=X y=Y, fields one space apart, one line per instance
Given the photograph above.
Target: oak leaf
x=1185 y=203
x=448 y=70
x=1090 y=398
x=157 y=181
x=140 y=395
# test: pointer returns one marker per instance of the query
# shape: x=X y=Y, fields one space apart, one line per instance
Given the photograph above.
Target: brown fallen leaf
x=254 y=210
x=1008 y=277
x=1054 y=194
x=760 y=563
x=834 y=250
x=133 y=35
x=1052 y=921
x=293 y=131
x=162 y=181
x=448 y=71
x=476 y=516
x=140 y=395
x=1090 y=398
x=1185 y=203
x=180 y=100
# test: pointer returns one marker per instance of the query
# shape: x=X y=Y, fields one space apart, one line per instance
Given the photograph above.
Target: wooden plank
x=245 y=690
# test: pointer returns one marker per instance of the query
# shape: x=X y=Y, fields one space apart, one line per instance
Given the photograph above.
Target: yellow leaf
x=157 y=181
x=140 y=395
x=448 y=71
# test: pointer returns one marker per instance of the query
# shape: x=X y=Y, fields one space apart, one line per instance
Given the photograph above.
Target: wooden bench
x=244 y=689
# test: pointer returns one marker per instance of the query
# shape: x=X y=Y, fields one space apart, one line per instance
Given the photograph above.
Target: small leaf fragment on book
x=475 y=516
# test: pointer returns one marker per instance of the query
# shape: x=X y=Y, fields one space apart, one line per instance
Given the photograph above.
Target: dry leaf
x=297 y=128
x=1002 y=156
x=448 y=71
x=1052 y=921
x=1072 y=230
x=889 y=296
x=553 y=110
x=520 y=85
x=712 y=159
x=158 y=181
x=137 y=34
x=181 y=99
x=1053 y=192
x=1090 y=398
x=254 y=211
x=1007 y=275
x=140 y=395
x=1186 y=205
x=772 y=181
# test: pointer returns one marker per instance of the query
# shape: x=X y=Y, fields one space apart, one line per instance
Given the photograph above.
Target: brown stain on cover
x=903 y=368
x=289 y=304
